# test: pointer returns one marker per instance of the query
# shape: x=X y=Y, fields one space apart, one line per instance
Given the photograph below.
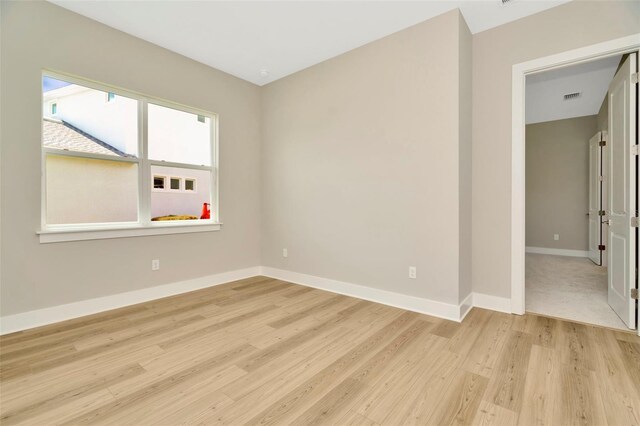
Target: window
x=123 y=166
x=159 y=182
x=175 y=183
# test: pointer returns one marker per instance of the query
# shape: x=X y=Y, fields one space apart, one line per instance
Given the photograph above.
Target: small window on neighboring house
x=201 y=118
x=111 y=96
x=175 y=183
x=189 y=184
x=54 y=108
x=159 y=182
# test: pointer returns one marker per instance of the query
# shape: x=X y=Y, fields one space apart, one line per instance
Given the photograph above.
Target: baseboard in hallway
x=557 y=252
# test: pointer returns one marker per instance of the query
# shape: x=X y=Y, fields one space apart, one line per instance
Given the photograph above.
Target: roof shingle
x=58 y=134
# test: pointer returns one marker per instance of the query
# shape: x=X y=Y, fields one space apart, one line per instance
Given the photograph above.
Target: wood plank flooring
x=263 y=351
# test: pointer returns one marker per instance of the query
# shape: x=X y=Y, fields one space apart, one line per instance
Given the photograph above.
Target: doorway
x=573 y=264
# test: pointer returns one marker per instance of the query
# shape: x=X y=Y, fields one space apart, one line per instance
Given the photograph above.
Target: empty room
x=319 y=212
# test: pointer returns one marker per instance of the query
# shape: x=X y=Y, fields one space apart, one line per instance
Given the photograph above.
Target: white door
x=622 y=192
x=595 y=198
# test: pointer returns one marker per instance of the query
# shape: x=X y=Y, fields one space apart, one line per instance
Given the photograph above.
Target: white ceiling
x=544 y=97
x=244 y=37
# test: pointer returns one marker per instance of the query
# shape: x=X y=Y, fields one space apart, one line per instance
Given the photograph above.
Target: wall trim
x=403 y=301
x=465 y=306
x=54 y=314
x=518 y=74
x=557 y=252
x=494 y=303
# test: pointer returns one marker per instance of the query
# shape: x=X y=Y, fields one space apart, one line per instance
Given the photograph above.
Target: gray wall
x=361 y=163
x=603 y=114
x=557 y=183
x=41 y=275
x=495 y=51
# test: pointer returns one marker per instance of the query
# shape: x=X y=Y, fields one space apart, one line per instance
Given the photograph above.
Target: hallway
x=569 y=287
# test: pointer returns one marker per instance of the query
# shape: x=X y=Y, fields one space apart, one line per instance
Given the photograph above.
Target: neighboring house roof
x=62 y=135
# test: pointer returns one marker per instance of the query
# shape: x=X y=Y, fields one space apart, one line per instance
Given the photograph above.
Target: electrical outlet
x=155 y=264
x=556 y=237
x=285 y=252
x=412 y=272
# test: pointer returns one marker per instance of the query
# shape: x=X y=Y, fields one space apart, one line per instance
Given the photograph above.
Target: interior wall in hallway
x=557 y=182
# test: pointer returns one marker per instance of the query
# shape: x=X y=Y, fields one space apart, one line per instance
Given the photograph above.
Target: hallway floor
x=571 y=288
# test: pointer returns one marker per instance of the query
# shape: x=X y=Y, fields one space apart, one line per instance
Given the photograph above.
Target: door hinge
x=634 y=150
x=634 y=222
x=601 y=247
x=602 y=143
x=634 y=78
x=601 y=178
x=634 y=293
x=602 y=213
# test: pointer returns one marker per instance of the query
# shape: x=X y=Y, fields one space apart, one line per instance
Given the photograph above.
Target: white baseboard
x=54 y=314
x=39 y=317
x=494 y=303
x=557 y=252
x=403 y=301
x=465 y=306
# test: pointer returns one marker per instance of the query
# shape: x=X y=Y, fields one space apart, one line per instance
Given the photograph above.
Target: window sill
x=82 y=234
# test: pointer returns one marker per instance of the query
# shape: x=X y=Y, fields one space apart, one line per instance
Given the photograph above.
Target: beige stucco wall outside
x=82 y=190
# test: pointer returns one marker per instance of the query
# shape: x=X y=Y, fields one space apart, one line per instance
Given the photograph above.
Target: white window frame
x=51 y=104
x=49 y=233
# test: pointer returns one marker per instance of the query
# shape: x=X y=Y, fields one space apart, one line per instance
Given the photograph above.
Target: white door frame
x=519 y=71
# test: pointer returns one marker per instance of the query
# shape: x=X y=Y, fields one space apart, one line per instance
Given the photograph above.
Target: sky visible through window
x=49 y=83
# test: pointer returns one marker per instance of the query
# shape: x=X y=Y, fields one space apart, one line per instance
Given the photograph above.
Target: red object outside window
x=206 y=212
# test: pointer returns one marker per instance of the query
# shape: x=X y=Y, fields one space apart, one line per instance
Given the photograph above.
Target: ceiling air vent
x=573 y=95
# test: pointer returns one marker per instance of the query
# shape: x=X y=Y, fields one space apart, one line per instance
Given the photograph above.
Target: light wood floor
x=262 y=351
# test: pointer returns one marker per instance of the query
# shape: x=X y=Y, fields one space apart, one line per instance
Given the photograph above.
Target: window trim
x=144 y=226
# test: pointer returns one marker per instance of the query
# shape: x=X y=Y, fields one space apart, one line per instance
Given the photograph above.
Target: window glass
x=87 y=190
x=158 y=182
x=187 y=204
x=80 y=121
x=175 y=183
x=178 y=136
x=93 y=167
